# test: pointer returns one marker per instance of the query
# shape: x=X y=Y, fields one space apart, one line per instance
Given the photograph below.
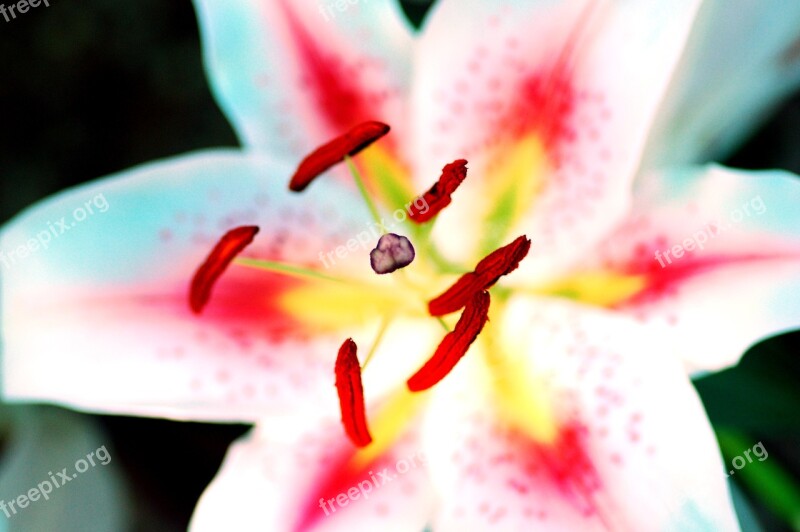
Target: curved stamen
x=500 y=262
x=439 y=195
x=327 y=155
x=230 y=245
x=351 y=394
x=454 y=345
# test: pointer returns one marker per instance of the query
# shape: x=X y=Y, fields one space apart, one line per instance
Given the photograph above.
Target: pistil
x=392 y=253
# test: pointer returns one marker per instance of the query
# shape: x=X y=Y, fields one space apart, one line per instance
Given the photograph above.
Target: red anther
x=327 y=155
x=454 y=345
x=504 y=260
x=351 y=394
x=230 y=245
x=456 y=296
x=438 y=196
x=499 y=262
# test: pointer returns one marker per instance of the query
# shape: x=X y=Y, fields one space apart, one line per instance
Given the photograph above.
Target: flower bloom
x=565 y=403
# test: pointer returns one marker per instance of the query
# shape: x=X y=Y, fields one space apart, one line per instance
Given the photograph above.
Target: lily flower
x=560 y=397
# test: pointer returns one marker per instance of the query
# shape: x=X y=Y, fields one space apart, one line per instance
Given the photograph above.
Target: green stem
x=378 y=337
x=362 y=188
x=445 y=266
x=286 y=269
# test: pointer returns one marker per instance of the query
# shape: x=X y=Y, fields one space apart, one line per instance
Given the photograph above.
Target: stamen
x=454 y=345
x=287 y=269
x=327 y=155
x=438 y=196
x=503 y=260
x=500 y=262
x=351 y=394
x=377 y=342
x=456 y=296
x=362 y=189
x=230 y=245
x=392 y=253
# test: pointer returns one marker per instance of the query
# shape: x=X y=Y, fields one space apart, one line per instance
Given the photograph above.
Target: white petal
x=273 y=479
x=632 y=448
x=568 y=90
x=292 y=74
x=719 y=251
x=99 y=317
x=743 y=58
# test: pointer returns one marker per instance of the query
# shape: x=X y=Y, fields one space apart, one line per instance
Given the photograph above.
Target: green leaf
x=760 y=395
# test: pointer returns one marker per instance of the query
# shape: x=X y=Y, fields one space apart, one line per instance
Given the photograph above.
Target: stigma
x=392 y=253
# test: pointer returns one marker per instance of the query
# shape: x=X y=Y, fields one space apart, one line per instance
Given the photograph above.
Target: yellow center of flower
x=339 y=305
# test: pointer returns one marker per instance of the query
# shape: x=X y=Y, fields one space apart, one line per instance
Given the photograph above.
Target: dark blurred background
x=95 y=87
